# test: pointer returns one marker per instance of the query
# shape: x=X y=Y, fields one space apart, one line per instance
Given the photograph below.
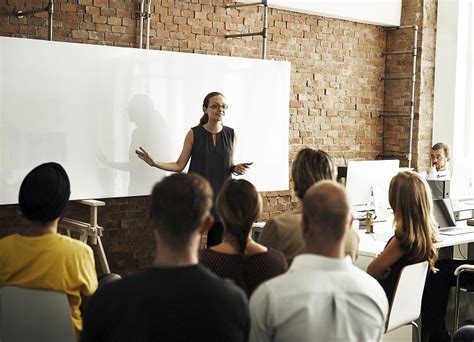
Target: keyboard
x=455 y=230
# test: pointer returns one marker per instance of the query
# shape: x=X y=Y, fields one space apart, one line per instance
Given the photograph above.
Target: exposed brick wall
x=398 y=93
x=336 y=99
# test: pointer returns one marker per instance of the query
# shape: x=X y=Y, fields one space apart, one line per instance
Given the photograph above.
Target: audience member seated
x=176 y=299
x=238 y=257
x=440 y=158
x=40 y=258
x=323 y=296
x=415 y=230
x=283 y=233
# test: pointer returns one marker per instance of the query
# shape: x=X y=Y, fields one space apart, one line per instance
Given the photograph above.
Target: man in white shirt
x=440 y=158
x=323 y=296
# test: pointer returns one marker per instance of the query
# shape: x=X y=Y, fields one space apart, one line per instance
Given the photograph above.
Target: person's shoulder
x=225 y=289
x=8 y=239
x=276 y=255
x=228 y=130
x=276 y=287
x=287 y=219
x=365 y=284
x=73 y=245
x=7 y=244
x=122 y=287
x=207 y=256
x=196 y=129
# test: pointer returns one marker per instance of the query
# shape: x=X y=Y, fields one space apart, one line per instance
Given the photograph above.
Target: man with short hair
x=284 y=232
x=38 y=257
x=323 y=296
x=176 y=299
x=440 y=156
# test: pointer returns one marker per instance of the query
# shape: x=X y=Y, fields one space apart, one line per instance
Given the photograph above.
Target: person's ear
x=206 y=224
x=304 y=227
x=204 y=110
x=350 y=221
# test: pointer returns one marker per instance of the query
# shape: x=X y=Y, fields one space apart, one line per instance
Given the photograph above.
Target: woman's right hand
x=143 y=155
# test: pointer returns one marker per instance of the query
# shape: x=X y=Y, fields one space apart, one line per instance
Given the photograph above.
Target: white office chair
x=406 y=305
x=467 y=268
x=34 y=315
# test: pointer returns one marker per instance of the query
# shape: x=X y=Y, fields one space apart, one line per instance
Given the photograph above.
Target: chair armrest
x=464 y=268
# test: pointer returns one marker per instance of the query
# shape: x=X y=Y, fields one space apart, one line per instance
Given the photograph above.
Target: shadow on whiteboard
x=146 y=123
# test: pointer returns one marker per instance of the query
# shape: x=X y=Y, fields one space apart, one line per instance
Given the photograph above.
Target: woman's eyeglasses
x=217 y=106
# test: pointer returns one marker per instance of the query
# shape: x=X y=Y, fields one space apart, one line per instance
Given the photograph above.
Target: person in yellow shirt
x=39 y=257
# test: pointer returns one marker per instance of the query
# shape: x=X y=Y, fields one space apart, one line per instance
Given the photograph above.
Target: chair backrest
x=34 y=315
x=406 y=304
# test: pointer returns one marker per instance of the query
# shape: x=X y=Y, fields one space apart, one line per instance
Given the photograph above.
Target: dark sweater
x=168 y=304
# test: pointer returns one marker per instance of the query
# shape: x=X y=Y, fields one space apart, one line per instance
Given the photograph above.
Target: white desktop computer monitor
x=366 y=177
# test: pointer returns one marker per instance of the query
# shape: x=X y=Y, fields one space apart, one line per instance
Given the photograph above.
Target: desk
x=373 y=244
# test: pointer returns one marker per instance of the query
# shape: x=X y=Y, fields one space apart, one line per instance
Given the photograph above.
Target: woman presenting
x=210 y=145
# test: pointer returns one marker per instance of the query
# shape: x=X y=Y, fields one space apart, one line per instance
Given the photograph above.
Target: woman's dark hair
x=205 y=103
x=238 y=205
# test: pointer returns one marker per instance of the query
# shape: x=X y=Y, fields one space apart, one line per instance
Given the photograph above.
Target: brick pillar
x=398 y=93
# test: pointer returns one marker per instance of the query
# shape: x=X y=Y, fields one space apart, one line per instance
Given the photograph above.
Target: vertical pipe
x=142 y=4
x=265 y=27
x=50 y=19
x=412 y=100
x=148 y=17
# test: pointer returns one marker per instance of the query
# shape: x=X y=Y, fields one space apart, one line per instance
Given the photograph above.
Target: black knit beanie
x=44 y=193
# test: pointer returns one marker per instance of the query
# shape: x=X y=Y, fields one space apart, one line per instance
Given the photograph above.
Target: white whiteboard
x=89 y=107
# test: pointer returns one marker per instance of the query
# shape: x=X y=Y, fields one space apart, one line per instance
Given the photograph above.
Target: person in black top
x=239 y=257
x=210 y=145
x=176 y=299
x=415 y=231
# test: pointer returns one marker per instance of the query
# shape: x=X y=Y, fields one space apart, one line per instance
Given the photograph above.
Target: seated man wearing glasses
x=440 y=158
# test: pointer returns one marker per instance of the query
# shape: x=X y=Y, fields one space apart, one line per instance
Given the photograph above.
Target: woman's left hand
x=240 y=169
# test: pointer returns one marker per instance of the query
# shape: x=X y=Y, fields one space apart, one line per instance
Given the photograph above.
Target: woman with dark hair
x=210 y=146
x=239 y=257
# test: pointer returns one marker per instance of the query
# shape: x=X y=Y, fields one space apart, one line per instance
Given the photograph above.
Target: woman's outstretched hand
x=143 y=155
x=240 y=169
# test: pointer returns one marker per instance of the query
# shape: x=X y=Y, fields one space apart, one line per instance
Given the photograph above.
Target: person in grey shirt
x=323 y=296
x=283 y=232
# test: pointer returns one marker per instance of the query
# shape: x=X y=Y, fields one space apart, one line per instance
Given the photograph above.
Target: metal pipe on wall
x=262 y=33
x=265 y=28
x=148 y=17
x=141 y=15
x=412 y=100
x=50 y=19
x=49 y=9
x=412 y=77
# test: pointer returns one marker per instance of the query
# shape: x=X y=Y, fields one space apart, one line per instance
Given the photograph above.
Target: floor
x=404 y=334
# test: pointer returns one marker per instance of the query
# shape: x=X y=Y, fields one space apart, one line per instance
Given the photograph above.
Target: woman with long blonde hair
x=415 y=231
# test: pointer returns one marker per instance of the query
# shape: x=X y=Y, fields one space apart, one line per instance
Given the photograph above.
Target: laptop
x=444 y=215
